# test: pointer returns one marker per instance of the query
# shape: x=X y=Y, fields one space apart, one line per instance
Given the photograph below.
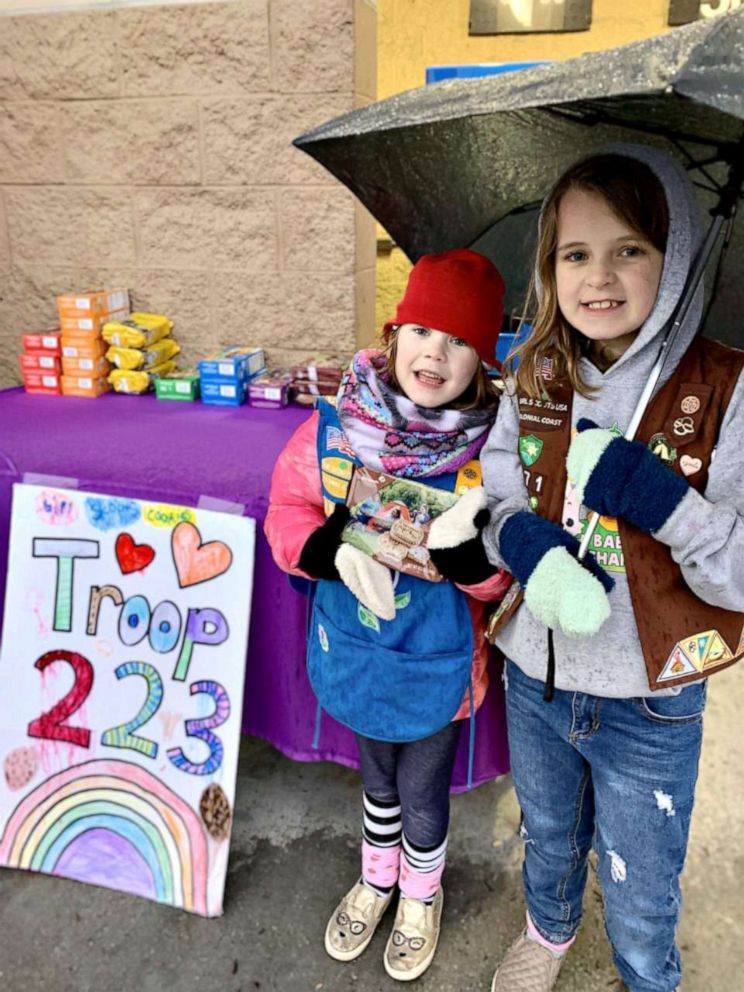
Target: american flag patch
x=336 y=441
x=546 y=368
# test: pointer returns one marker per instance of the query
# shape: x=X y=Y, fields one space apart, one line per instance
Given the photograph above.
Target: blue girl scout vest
x=394 y=681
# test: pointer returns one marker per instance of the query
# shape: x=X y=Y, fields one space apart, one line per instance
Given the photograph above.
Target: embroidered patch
x=336 y=441
x=660 y=446
x=530 y=449
x=367 y=618
x=690 y=404
x=718 y=652
x=695 y=654
x=323 y=638
x=678 y=665
x=690 y=465
x=534 y=482
x=683 y=426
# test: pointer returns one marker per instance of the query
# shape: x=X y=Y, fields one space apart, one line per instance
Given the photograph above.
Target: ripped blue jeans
x=618 y=774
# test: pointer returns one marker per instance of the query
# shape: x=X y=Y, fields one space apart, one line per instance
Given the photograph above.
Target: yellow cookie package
x=138 y=330
x=138 y=381
x=146 y=358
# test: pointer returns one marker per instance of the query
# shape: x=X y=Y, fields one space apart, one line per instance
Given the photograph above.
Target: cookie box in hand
x=390 y=517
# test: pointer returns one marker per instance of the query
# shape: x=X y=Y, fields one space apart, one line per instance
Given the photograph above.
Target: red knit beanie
x=459 y=292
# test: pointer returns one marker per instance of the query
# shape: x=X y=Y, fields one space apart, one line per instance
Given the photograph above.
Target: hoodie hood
x=682 y=243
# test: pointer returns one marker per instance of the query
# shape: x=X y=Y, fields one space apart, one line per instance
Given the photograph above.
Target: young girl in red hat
x=398 y=659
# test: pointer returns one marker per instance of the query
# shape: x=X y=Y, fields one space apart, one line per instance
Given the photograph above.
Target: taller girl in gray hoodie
x=655 y=608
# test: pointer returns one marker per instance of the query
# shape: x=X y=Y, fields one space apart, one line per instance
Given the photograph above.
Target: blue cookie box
x=233 y=362
x=223 y=391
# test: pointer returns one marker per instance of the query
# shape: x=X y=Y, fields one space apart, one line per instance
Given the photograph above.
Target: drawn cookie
x=215 y=812
x=20 y=766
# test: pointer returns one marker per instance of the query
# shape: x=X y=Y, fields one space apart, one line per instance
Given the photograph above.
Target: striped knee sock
x=381 y=832
x=421 y=870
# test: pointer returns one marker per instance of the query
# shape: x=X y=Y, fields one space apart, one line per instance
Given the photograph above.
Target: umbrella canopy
x=448 y=165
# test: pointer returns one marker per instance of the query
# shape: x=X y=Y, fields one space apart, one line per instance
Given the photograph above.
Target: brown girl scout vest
x=682 y=638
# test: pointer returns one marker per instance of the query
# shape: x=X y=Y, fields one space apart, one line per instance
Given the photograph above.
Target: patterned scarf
x=390 y=433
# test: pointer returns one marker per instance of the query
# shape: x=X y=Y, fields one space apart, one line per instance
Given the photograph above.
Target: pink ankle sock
x=535 y=935
x=380 y=865
x=419 y=884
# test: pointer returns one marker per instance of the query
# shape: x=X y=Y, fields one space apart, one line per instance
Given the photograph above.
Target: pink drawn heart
x=690 y=465
x=197 y=562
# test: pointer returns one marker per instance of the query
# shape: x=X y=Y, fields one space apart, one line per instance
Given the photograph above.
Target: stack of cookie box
x=41 y=363
x=81 y=317
x=224 y=375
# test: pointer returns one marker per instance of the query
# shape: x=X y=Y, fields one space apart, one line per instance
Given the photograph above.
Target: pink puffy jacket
x=296 y=509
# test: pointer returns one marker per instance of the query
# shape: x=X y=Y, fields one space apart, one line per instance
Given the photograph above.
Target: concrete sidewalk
x=295 y=851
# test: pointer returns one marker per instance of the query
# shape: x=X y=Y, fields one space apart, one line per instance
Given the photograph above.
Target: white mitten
x=368 y=580
x=457 y=525
x=454 y=540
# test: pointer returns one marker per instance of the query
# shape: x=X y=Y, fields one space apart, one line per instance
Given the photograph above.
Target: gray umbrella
x=454 y=164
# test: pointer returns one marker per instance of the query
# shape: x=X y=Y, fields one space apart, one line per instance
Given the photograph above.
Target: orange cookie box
x=80 y=385
x=95 y=303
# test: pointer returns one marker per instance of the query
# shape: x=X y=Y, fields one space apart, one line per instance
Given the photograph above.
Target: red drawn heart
x=132 y=557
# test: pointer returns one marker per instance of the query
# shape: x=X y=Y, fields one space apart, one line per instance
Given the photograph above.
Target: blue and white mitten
x=621 y=478
x=562 y=592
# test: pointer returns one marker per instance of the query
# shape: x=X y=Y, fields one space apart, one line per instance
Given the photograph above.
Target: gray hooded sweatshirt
x=705 y=534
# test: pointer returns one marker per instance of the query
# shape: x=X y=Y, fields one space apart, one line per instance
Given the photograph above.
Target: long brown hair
x=481 y=394
x=636 y=196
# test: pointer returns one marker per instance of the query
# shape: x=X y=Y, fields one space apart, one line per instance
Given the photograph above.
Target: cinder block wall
x=150 y=147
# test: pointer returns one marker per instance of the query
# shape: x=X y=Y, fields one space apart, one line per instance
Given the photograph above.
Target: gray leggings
x=418 y=773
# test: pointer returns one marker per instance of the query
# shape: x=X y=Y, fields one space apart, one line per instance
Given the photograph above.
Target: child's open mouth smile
x=602 y=307
x=429 y=380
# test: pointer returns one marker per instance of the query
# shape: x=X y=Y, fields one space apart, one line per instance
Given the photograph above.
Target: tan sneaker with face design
x=354 y=921
x=410 y=949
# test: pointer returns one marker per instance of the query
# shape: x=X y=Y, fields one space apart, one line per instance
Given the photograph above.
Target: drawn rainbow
x=112 y=823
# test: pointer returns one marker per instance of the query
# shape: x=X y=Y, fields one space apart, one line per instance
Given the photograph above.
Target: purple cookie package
x=269 y=392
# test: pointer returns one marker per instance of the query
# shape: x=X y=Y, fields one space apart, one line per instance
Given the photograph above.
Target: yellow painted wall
x=414 y=34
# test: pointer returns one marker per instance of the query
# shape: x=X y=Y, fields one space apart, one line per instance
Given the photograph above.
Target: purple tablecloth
x=175 y=452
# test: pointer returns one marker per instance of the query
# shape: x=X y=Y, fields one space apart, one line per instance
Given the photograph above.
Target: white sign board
x=121 y=674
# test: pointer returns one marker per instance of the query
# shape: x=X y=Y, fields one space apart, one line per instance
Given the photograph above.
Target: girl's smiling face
x=607 y=275
x=433 y=368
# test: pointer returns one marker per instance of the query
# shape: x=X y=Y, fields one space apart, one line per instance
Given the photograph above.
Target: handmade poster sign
x=122 y=666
